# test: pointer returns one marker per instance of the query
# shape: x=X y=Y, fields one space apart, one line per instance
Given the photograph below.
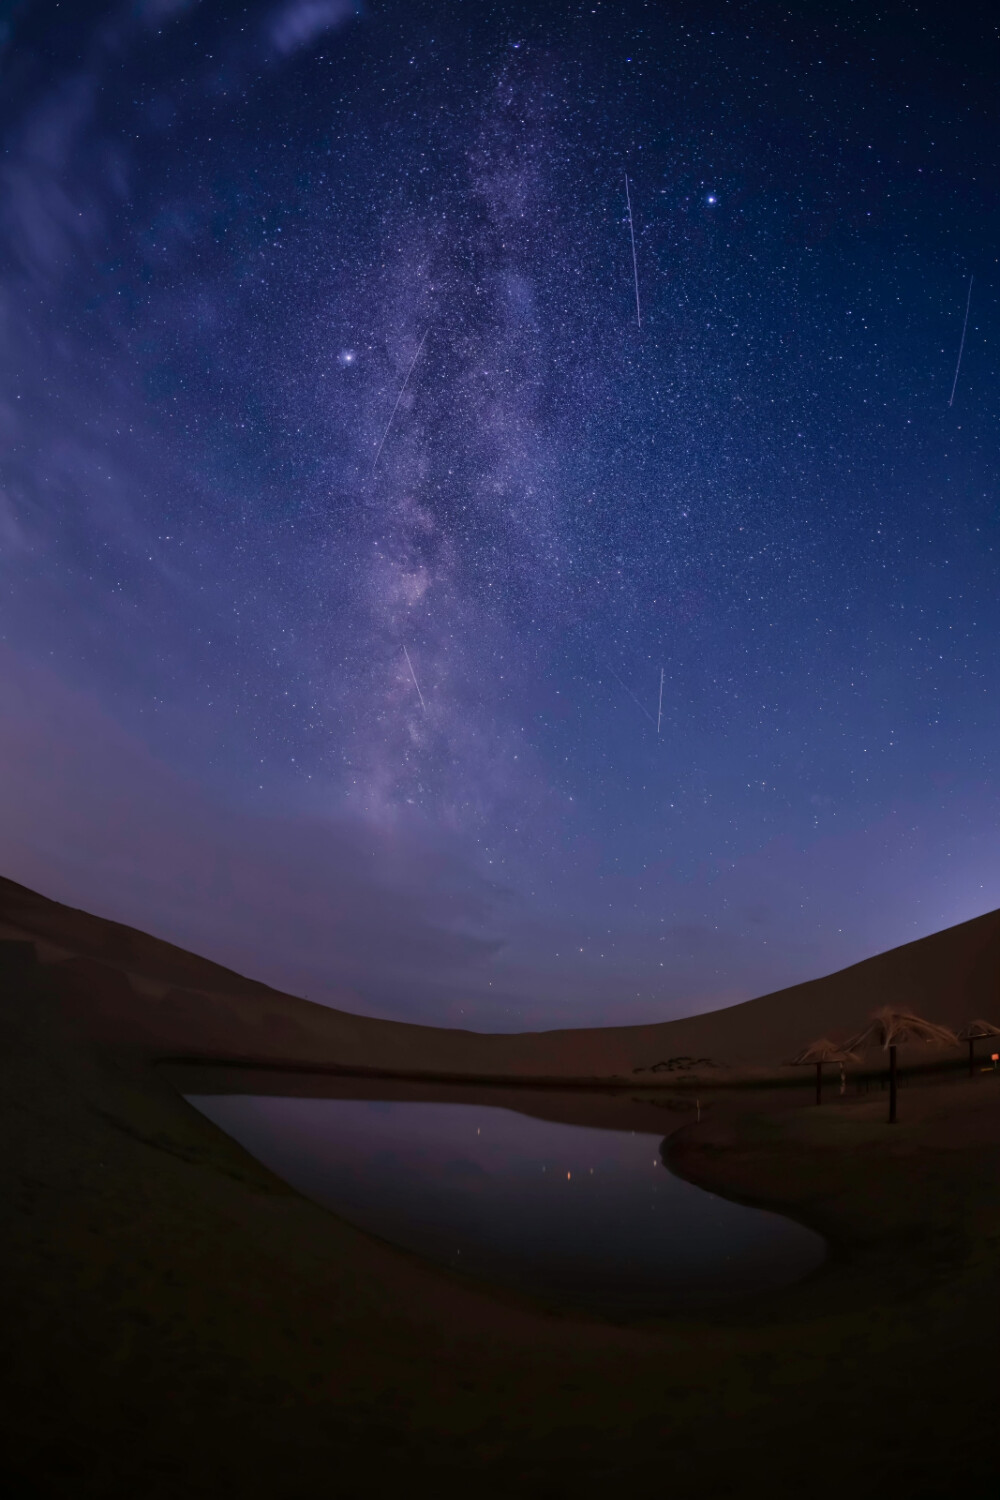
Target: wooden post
x=892 y=1085
x=819 y=1083
x=972 y=1058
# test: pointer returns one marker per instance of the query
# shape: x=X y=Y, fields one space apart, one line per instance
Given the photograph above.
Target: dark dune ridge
x=138 y=990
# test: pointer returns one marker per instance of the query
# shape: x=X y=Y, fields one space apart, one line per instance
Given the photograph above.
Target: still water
x=569 y=1213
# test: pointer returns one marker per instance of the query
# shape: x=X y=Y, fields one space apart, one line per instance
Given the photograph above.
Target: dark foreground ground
x=176 y=1322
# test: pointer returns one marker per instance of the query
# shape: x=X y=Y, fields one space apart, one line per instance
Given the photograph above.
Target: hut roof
x=889 y=1027
x=823 y=1051
x=977 y=1029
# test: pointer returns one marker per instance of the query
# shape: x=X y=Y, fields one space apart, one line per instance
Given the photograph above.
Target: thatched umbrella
x=889 y=1027
x=821 y=1052
x=971 y=1034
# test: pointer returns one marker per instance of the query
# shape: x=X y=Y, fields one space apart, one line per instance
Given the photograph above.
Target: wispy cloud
x=301 y=23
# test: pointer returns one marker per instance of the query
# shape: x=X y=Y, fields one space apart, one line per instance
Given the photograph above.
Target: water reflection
x=567 y=1212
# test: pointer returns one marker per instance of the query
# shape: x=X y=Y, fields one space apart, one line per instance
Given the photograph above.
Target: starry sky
x=359 y=489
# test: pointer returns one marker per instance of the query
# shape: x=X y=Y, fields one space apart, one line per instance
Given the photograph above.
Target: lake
x=581 y=1215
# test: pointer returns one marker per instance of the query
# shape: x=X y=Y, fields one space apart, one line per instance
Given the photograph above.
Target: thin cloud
x=294 y=27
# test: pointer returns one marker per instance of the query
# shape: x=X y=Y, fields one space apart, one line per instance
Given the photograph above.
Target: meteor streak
x=628 y=690
x=399 y=398
x=413 y=674
x=635 y=268
x=961 y=347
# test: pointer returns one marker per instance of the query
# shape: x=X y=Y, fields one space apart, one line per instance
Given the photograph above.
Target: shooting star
x=416 y=684
x=659 y=711
x=399 y=398
x=961 y=347
x=628 y=690
x=635 y=268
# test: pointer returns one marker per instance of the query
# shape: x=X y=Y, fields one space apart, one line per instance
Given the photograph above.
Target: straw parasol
x=818 y=1053
x=972 y=1033
x=891 y=1028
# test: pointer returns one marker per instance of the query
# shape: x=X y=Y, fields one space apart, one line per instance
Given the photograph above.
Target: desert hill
x=137 y=991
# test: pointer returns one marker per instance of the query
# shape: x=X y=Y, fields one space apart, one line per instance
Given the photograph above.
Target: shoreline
x=727 y=1080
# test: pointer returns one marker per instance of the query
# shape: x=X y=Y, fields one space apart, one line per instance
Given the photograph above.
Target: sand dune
x=136 y=990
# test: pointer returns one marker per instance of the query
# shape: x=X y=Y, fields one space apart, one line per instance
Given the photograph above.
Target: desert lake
x=571 y=1214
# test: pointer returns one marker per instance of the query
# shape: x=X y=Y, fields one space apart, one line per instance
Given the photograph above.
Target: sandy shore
x=178 y=1322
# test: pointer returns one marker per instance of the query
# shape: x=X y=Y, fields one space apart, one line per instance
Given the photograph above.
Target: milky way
x=414 y=599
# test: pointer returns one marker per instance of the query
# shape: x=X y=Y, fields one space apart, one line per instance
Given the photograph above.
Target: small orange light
x=995 y=1057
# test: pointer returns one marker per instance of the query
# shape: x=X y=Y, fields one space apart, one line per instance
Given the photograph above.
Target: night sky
x=349 y=513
